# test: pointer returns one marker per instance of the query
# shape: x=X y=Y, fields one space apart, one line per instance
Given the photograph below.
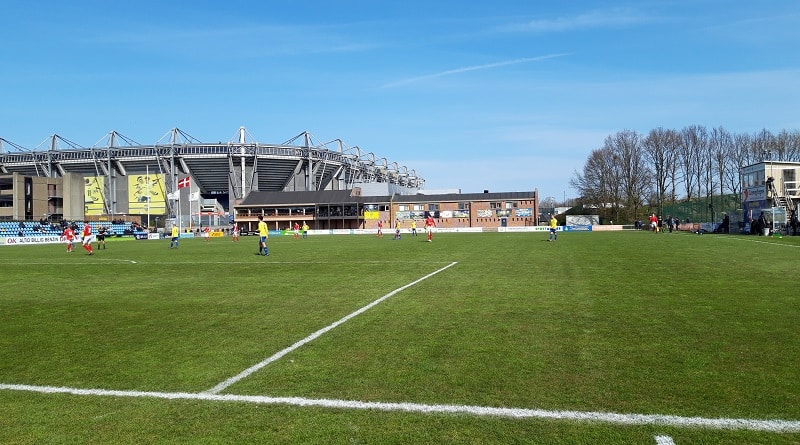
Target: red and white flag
x=183 y=182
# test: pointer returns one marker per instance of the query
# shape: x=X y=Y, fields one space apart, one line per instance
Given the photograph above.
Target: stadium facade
x=119 y=176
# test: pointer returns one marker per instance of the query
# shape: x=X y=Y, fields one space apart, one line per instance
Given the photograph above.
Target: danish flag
x=183 y=183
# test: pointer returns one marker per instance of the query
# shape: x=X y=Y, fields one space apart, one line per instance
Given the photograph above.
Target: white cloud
x=590 y=20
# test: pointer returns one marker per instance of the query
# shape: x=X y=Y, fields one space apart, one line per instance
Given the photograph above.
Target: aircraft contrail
x=471 y=68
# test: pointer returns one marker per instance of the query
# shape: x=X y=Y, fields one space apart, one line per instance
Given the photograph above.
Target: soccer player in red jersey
x=69 y=234
x=430 y=223
x=87 y=237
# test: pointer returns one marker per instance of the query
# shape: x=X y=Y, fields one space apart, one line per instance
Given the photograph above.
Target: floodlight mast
x=242 y=155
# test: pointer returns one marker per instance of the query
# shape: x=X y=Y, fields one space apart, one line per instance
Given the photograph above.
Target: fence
x=709 y=209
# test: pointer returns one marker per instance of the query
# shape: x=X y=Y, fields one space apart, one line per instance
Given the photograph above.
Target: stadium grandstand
x=120 y=176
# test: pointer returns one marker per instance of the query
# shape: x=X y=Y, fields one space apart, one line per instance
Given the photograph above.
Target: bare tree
x=547 y=202
x=673 y=144
x=596 y=184
x=793 y=146
x=635 y=176
x=698 y=136
x=630 y=170
x=761 y=146
x=737 y=159
x=658 y=149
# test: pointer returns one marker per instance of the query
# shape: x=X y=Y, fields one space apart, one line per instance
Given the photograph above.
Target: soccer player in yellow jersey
x=553 y=224
x=175 y=235
x=263 y=234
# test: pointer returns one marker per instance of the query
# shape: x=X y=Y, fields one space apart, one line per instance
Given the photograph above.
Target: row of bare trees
x=633 y=174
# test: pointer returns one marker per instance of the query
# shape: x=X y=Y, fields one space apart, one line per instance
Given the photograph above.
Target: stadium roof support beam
x=120 y=167
x=182 y=165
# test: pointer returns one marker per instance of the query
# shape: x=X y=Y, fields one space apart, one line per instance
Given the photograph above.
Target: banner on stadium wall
x=372 y=214
x=485 y=213
x=144 y=190
x=93 y=197
x=523 y=213
x=28 y=240
x=518 y=229
x=578 y=228
x=413 y=214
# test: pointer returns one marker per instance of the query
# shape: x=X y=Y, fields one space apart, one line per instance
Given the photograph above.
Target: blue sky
x=502 y=95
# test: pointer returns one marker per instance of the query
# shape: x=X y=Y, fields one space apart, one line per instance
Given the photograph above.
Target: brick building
x=346 y=209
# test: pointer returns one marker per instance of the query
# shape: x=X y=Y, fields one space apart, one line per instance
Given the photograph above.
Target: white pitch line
x=116 y=260
x=772 y=426
x=92 y=263
x=757 y=241
x=257 y=262
x=664 y=440
x=220 y=387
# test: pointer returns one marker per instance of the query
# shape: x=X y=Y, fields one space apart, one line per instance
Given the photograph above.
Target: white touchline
x=664 y=440
x=773 y=426
x=313 y=336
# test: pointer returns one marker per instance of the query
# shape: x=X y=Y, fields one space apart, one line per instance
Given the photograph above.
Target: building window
x=433 y=207
x=789 y=176
x=402 y=208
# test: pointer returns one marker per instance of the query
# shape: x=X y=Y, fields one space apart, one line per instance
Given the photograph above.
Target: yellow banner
x=146 y=190
x=370 y=214
x=93 y=201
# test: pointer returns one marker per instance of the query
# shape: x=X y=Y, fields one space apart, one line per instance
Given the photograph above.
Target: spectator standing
x=763 y=226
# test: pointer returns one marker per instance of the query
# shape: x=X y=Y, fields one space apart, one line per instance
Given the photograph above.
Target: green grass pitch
x=629 y=324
